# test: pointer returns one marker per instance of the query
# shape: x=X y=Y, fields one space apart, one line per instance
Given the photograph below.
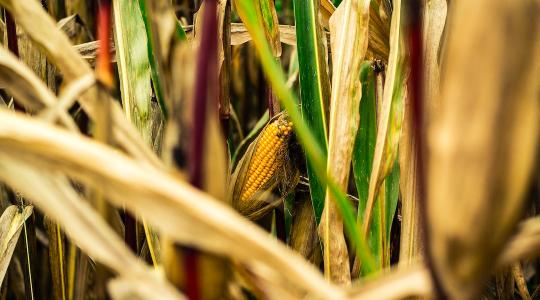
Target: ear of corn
x=261 y=169
x=266 y=158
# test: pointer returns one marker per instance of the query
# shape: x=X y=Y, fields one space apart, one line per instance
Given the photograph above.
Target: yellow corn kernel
x=265 y=162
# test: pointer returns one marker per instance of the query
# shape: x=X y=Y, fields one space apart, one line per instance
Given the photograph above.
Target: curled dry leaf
x=304 y=238
x=435 y=20
x=165 y=202
x=266 y=14
x=379 y=30
x=400 y=283
x=88 y=51
x=240 y=34
x=349 y=39
x=525 y=244
x=412 y=244
x=224 y=58
x=53 y=193
x=26 y=87
x=125 y=289
x=41 y=28
x=11 y=224
x=326 y=11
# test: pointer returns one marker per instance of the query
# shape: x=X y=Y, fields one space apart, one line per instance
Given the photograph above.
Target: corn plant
x=157 y=149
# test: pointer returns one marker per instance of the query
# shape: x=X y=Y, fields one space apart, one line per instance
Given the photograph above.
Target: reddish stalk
x=13 y=45
x=103 y=64
x=11 y=28
x=205 y=94
x=205 y=89
x=416 y=88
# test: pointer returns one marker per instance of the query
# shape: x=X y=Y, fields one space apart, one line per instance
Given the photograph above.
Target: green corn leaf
x=314 y=86
x=133 y=66
x=362 y=158
x=153 y=50
x=134 y=57
x=153 y=59
x=364 y=146
x=391 y=115
x=392 y=196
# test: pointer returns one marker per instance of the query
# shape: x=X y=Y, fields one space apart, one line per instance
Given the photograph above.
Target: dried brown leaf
x=26 y=87
x=401 y=283
x=11 y=224
x=304 y=238
x=435 y=20
x=349 y=39
x=483 y=143
x=53 y=193
x=411 y=241
x=176 y=209
x=41 y=28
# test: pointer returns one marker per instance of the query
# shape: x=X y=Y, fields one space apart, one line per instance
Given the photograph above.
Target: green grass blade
x=314 y=86
x=311 y=146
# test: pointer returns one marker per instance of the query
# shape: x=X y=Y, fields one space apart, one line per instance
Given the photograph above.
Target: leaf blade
x=314 y=86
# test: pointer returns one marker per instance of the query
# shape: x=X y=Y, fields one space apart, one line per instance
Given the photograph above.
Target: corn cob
x=266 y=159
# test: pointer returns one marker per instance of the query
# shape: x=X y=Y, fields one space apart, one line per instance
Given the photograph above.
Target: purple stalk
x=11 y=27
x=13 y=46
x=205 y=89
x=206 y=93
x=416 y=88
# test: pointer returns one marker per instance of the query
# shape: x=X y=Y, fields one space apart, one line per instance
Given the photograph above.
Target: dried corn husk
x=379 y=30
x=304 y=237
